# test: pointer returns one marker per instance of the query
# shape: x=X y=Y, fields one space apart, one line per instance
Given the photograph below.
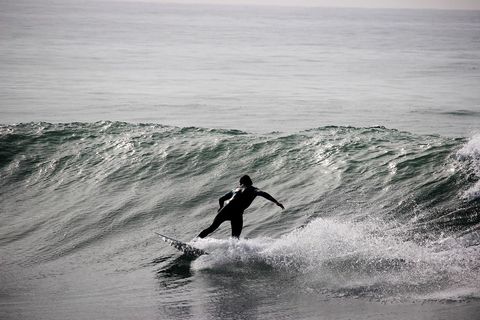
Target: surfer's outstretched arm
x=269 y=197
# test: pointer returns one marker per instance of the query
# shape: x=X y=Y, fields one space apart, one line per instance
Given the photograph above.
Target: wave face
x=370 y=211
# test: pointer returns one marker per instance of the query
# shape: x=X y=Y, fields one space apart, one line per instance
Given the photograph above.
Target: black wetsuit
x=238 y=200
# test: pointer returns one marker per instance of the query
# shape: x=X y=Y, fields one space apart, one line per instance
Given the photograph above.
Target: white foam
x=471 y=152
x=225 y=252
x=352 y=258
x=471 y=149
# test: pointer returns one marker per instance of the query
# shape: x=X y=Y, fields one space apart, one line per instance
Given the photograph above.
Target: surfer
x=237 y=201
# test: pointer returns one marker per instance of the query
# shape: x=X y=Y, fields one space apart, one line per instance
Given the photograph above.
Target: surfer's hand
x=280 y=205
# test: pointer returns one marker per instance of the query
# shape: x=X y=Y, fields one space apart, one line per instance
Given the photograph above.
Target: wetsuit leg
x=219 y=219
x=237 y=225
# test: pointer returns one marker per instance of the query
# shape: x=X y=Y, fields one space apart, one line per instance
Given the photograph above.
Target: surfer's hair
x=246 y=181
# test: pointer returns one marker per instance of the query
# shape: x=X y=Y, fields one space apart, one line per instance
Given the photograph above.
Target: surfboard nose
x=187 y=249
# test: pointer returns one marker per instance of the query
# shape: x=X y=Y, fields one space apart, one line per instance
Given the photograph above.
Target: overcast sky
x=435 y=4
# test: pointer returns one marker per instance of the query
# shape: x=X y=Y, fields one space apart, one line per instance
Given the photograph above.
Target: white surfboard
x=182 y=246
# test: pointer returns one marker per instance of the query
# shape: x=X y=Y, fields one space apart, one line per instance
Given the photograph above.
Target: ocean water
x=122 y=119
x=257 y=69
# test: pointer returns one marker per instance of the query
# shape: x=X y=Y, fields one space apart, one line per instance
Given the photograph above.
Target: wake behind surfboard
x=187 y=249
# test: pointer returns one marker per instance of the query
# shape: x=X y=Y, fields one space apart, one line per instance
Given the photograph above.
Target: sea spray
x=350 y=259
x=470 y=154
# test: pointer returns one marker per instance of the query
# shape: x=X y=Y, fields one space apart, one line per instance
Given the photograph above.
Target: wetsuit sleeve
x=269 y=197
x=225 y=198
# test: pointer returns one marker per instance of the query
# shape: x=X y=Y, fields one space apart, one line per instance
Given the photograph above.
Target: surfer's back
x=243 y=197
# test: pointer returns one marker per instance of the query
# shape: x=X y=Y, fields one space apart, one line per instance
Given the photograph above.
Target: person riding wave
x=237 y=201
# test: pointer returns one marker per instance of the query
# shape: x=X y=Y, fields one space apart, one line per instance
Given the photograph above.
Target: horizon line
x=289 y=5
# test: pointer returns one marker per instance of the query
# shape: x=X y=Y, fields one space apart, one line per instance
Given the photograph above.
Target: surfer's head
x=246 y=181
